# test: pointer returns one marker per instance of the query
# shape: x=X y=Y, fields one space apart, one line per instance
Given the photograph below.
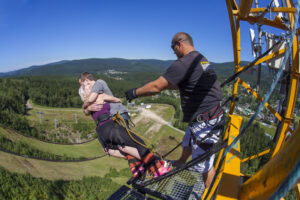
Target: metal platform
x=181 y=186
x=125 y=193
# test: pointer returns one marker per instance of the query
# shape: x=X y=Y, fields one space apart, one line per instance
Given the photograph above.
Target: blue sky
x=34 y=32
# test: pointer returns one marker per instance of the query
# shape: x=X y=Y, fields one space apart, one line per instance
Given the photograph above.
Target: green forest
x=24 y=186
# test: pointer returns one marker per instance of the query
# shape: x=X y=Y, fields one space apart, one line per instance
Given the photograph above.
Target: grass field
x=57 y=170
x=165 y=111
x=166 y=139
x=89 y=149
x=66 y=119
x=63 y=116
x=269 y=130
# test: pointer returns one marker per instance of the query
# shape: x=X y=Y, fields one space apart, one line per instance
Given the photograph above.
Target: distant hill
x=100 y=65
x=92 y=65
x=28 y=70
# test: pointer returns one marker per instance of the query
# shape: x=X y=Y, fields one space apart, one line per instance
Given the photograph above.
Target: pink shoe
x=136 y=173
x=161 y=171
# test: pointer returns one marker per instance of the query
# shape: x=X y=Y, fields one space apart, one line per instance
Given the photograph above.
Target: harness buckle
x=200 y=118
x=211 y=114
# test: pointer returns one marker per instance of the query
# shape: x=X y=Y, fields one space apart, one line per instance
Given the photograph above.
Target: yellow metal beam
x=246 y=86
x=245 y=7
x=256 y=156
x=264 y=183
x=230 y=168
x=296 y=74
x=297 y=189
x=267 y=105
x=233 y=5
x=279 y=9
x=232 y=26
x=235 y=33
x=273 y=10
x=293 y=89
x=265 y=58
x=276 y=23
x=231 y=172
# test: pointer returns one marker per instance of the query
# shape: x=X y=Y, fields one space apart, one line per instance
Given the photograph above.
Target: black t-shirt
x=197 y=83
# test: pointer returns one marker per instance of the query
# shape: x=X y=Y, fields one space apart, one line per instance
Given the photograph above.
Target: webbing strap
x=120 y=120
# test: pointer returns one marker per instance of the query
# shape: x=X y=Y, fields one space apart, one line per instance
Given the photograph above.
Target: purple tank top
x=105 y=110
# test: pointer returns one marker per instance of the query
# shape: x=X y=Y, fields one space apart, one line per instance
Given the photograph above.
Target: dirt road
x=148 y=114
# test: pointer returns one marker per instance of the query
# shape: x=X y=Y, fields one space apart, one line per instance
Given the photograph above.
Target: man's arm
x=172 y=87
x=154 y=87
x=90 y=99
x=108 y=98
x=151 y=88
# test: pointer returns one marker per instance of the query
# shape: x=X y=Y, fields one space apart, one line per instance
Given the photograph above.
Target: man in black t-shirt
x=200 y=96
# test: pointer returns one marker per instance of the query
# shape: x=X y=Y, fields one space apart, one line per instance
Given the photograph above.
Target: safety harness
x=209 y=115
x=120 y=120
x=205 y=117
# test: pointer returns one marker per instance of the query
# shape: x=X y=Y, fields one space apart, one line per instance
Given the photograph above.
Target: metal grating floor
x=179 y=186
x=125 y=193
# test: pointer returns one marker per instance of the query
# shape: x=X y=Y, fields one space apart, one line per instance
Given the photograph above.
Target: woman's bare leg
x=131 y=151
x=115 y=153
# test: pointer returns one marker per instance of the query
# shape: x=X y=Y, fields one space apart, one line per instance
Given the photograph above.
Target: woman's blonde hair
x=82 y=93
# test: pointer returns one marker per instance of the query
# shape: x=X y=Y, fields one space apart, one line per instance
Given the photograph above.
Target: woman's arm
x=108 y=98
x=92 y=97
x=99 y=99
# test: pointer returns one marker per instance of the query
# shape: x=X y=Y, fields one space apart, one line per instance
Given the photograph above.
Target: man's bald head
x=184 y=37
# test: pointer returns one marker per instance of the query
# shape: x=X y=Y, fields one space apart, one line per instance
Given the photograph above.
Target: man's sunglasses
x=175 y=43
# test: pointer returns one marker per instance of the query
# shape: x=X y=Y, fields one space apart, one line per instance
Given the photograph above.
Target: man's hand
x=94 y=107
x=86 y=112
x=131 y=94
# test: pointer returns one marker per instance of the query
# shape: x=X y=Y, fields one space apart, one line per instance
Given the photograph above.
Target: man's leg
x=208 y=177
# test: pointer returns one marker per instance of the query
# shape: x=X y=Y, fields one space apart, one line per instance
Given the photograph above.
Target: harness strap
x=102 y=118
x=208 y=135
x=120 y=120
x=205 y=146
x=211 y=114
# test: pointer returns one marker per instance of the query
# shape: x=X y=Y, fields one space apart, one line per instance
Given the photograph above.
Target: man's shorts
x=204 y=132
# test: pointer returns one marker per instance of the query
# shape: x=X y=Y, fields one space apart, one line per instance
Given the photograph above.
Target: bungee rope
x=120 y=120
x=267 y=96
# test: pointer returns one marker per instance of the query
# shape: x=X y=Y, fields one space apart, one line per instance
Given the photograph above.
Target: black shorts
x=111 y=136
